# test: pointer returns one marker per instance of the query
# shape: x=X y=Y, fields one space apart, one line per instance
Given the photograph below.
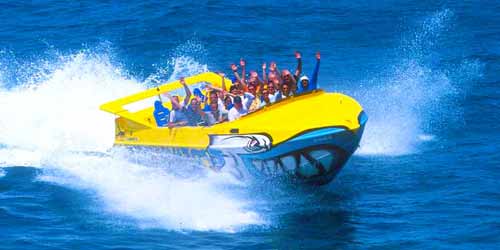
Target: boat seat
x=161 y=114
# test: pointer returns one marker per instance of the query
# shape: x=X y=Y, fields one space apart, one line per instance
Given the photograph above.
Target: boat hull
x=312 y=157
x=306 y=137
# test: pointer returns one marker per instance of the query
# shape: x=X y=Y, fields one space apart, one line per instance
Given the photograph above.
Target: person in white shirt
x=238 y=109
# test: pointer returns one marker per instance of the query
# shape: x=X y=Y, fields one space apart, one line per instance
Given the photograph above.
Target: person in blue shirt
x=312 y=84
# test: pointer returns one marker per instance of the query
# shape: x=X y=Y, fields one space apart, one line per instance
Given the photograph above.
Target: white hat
x=303 y=78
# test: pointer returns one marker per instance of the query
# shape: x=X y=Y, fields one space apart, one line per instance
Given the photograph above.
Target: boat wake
x=54 y=119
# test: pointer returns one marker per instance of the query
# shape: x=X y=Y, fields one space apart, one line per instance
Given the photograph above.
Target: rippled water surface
x=425 y=176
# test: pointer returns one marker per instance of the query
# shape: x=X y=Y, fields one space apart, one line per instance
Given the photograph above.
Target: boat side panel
x=281 y=121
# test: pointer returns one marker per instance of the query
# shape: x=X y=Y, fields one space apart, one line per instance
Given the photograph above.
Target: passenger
x=247 y=98
x=271 y=92
x=238 y=109
x=254 y=80
x=305 y=84
x=285 y=92
x=289 y=80
x=215 y=115
x=213 y=97
x=265 y=98
x=273 y=69
x=228 y=102
x=178 y=113
x=275 y=87
x=238 y=81
x=272 y=76
x=234 y=90
x=255 y=103
x=216 y=95
x=286 y=77
x=195 y=116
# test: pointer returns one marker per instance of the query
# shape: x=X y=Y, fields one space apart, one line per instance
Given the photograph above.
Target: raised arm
x=173 y=100
x=187 y=90
x=242 y=64
x=274 y=68
x=213 y=88
x=264 y=75
x=298 y=71
x=259 y=81
x=234 y=68
x=314 y=77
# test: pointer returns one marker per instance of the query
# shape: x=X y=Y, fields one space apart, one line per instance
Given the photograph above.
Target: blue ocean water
x=425 y=176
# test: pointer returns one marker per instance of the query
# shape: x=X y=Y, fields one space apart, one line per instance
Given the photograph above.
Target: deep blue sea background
x=425 y=176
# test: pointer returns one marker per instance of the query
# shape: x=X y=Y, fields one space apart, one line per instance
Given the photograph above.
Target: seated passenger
x=228 y=102
x=215 y=115
x=255 y=103
x=265 y=99
x=285 y=92
x=238 y=81
x=289 y=80
x=195 y=116
x=305 y=84
x=238 y=109
x=178 y=113
x=273 y=69
x=272 y=76
x=272 y=92
x=276 y=90
x=247 y=99
x=213 y=97
x=286 y=77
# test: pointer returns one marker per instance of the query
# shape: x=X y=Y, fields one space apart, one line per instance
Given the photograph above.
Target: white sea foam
x=20 y=157
x=410 y=99
x=399 y=109
x=154 y=197
x=61 y=110
x=426 y=137
x=50 y=120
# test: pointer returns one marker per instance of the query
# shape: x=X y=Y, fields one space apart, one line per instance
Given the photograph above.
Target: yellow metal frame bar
x=116 y=106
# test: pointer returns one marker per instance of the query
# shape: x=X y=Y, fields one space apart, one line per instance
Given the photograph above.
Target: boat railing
x=120 y=106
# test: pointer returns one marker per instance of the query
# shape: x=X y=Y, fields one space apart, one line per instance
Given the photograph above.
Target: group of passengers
x=247 y=94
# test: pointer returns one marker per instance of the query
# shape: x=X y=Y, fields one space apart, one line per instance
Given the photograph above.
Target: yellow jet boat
x=305 y=138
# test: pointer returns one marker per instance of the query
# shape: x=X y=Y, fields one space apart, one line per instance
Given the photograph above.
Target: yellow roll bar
x=117 y=106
